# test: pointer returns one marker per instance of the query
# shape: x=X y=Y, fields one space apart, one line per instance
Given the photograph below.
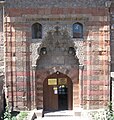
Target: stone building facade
x=2 y=100
x=2 y=92
x=57 y=51
x=112 y=49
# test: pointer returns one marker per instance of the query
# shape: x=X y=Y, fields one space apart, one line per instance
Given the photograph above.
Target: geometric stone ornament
x=57 y=49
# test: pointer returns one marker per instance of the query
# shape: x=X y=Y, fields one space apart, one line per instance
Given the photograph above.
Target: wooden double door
x=57 y=92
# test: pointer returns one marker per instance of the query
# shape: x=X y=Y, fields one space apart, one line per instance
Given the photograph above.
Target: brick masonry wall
x=93 y=50
x=1 y=61
x=112 y=49
x=1 y=43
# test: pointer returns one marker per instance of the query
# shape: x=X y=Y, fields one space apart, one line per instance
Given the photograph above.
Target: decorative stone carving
x=57 y=49
x=57 y=39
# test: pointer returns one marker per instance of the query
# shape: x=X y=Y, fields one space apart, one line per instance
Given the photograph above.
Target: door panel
x=50 y=99
x=57 y=96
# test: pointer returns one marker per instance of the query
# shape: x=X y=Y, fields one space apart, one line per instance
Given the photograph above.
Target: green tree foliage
x=7 y=114
x=110 y=112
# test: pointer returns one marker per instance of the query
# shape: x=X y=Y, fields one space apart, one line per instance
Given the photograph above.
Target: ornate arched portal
x=57 y=62
x=57 y=92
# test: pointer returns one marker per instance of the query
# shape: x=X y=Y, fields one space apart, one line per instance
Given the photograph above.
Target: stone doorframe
x=75 y=74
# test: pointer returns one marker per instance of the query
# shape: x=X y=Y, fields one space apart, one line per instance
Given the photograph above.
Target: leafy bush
x=97 y=115
x=110 y=112
x=22 y=115
x=107 y=114
x=7 y=115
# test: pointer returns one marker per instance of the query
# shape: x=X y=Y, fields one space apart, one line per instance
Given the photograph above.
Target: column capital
x=81 y=67
x=108 y=3
x=2 y=2
x=34 y=67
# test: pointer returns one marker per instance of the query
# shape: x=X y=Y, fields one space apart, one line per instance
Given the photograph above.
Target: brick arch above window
x=77 y=30
x=36 y=31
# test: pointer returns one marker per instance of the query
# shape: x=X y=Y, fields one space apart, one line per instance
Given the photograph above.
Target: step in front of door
x=59 y=113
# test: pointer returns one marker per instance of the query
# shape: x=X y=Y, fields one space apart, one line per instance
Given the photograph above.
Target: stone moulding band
x=56 y=19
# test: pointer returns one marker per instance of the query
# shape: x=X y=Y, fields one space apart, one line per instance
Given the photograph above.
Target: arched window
x=77 y=30
x=36 y=31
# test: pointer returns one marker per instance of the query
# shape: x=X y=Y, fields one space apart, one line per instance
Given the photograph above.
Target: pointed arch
x=77 y=30
x=58 y=92
x=36 y=31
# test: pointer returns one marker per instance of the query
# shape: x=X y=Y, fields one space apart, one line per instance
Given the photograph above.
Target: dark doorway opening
x=62 y=97
x=4 y=102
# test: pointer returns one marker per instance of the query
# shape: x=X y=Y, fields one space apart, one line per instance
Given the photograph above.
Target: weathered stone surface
x=56 y=3
x=23 y=52
x=1 y=94
x=1 y=61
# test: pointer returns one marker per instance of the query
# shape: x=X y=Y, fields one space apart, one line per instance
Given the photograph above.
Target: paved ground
x=68 y=115
x=60 y=118
x=61 y=115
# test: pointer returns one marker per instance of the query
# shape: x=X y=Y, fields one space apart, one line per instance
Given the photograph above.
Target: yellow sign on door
x=62 y=81
x=52 y=81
